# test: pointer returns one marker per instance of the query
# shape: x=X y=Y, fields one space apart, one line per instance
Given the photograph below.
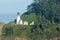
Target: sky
x=9 y=8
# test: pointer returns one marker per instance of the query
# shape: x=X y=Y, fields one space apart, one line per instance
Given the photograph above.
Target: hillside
x=1 y=26
x=45 y=14
x=44 y=31
x=12 y=30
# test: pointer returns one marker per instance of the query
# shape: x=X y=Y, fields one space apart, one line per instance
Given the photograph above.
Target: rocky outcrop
x=21 y=38
x=1 y=26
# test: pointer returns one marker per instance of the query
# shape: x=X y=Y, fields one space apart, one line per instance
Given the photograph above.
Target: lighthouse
x=18 y=20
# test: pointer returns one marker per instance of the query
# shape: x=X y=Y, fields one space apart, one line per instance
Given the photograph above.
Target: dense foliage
x=50 y=9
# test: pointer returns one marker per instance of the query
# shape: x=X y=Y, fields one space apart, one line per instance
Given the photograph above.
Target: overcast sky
x=13 y=6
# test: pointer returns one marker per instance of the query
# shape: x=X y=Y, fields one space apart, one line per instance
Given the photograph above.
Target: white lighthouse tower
x=18 y=20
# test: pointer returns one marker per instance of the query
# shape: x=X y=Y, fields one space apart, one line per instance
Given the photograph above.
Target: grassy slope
x=25 y=31
x=19 y=29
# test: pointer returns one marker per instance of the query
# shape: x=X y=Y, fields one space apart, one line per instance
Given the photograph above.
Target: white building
x=25 y=23
x=32 y=23
x=19 y=21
